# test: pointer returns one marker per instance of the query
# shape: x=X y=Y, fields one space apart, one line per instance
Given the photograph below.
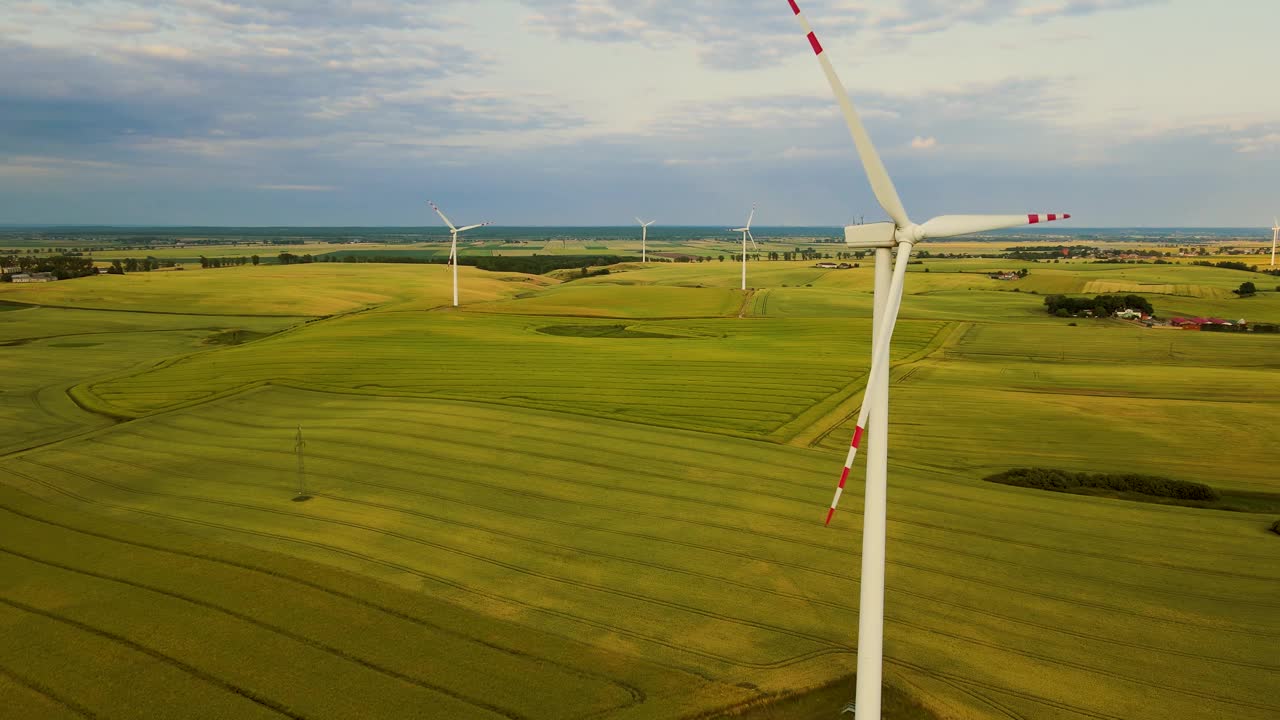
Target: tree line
x=1067 y=481
x=1100 y=305
x=236 y=261
x=63 y=267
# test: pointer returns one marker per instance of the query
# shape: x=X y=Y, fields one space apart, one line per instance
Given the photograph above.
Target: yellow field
x=604 y=497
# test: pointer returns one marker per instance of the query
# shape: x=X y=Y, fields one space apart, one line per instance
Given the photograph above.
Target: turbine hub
x=912 y=233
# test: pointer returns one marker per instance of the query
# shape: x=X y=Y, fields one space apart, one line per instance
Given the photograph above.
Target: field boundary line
x=157 y=312
x=638 y=695
x=814 y=432
x=829 y=648
x=718 y=487
x=191 y=670
x=283 y=632
x=47 y=693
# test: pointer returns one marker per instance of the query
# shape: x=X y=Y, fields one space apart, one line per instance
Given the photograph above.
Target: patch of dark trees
x=63 y=267
x=147 y=264
x=218 y=262
x=1250 y=328
x=1100 y=305
x=1023 y=252
x=1090 y=483
x=1227 y=265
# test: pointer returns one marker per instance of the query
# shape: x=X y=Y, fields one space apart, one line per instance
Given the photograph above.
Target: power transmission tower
x=298 y=445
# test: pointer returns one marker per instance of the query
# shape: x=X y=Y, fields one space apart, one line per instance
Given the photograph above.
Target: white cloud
x=168 y=52
x=924 y=143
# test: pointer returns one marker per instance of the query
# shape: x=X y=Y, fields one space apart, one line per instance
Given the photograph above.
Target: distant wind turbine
x=746 y=233
x=644 y=238
x=883 y=237
x=1275 y=234
x=453 y=246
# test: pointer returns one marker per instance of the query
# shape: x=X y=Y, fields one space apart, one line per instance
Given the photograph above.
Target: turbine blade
x=442 y=217
x=881 y=356
x=473 y=227
x=751 y=216
x=952 y=225
x=640 y=221
x=881 y=184
x=753 y=240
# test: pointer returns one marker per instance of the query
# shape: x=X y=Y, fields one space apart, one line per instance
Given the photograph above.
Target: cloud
x=299 y=188
x=924 y=143
x=757 y=33
x=127 y=27
x=1256 y=143
x=168 y=52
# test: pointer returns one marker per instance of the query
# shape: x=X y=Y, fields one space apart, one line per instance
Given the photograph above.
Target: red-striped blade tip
x=794 y=7
x=857 y=437
x=830 y=512
x=1047 y=217
x=813 y=42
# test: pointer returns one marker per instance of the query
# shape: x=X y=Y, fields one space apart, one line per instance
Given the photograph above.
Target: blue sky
x=319 y=112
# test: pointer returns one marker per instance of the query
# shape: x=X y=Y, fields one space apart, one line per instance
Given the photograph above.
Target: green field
x=603 y=498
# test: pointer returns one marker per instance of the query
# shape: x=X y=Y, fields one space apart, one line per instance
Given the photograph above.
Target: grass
x=824 y=702
x=520 y=512
x=708 y=376
x=636 y=539
x=314 y=289
x=48 y=351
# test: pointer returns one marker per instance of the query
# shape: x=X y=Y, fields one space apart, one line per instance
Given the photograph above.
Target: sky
x=590 y=112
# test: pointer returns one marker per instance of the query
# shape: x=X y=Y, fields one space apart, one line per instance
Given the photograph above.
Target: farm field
x=603 y=497
x=312 y=290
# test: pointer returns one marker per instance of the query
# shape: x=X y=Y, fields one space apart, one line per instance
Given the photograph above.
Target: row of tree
x=63 y=267
x=1099 y=306
x=146 y=264
x=217 y=262
x=1068 y=481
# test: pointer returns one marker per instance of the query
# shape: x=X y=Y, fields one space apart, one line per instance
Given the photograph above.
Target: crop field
x=267 y=252
x=603 y=498
x=313 y=290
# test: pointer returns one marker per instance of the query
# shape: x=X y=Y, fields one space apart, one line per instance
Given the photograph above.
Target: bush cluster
x=1067 y=481
x=1101 y=305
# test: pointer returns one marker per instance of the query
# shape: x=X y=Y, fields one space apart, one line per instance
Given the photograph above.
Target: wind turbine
x=903 y=234
x=644 y=238
x=746 y=233
x=1275 y=234
x=453 y=246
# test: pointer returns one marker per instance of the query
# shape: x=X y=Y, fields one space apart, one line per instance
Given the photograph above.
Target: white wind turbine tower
x=903 y=234
x=746 y=233
x=644 y=239
x=1275 y=234
x=453 y=246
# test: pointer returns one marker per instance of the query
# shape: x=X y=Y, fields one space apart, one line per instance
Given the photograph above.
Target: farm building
x=33 y=277
x=1197 y=322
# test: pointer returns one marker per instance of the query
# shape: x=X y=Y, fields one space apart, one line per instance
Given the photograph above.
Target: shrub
x=1067 y=481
